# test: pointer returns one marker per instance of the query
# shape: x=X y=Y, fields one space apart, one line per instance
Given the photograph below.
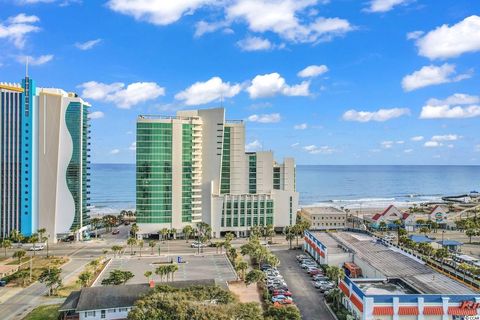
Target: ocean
x=113 y=185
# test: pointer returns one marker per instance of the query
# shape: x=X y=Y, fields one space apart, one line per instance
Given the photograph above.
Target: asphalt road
x=306 y=297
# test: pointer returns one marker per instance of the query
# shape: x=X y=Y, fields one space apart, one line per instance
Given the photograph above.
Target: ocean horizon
x=350 y=186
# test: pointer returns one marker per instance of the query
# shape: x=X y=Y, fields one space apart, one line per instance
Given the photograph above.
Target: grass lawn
x=49 y=312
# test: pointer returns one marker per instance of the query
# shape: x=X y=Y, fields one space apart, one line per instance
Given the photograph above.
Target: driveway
x=306 y=297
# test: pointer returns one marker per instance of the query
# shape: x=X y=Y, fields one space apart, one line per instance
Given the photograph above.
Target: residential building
x=389 y=216
x=324 y=218
x=43 y=159
x=18 y=158
x=63 y=161
x=193 y=168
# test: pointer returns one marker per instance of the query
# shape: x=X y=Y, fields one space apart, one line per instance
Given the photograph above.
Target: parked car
x=313 y=272
x=280 y=298
x=320 y=277
x=281 y=292
x=288 y=300
x=126 y=223
x=116 y=231
x=301 y=257
x=3 y=283
x=36 y=248
x=265 y=266
x=198 y=245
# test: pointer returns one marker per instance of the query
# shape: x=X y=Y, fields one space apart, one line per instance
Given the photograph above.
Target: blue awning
x=420 y=239
x=450 y=243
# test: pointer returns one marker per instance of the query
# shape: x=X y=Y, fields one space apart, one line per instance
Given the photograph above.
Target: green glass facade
x=252 y=173
x=187 y=150
x=154 y=172
x=76 y=118
x=247 y=213
x=225 y=178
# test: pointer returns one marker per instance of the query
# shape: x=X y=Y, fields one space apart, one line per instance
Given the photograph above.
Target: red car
x=314 y=272
x=281 y=292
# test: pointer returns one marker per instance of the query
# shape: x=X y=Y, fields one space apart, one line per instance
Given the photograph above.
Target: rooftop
x=395 y=264
x=323 y=210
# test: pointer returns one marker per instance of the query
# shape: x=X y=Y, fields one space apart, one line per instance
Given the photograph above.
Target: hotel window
x=102 y=314
x=90 y=314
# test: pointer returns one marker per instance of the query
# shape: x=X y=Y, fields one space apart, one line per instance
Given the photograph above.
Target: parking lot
x=306 y=297
x=211 y=266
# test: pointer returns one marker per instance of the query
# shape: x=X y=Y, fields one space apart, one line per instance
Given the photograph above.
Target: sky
x=324 y=81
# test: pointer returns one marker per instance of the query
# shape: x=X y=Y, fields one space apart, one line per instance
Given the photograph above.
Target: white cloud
x=447 y=42
x=408 y=150
x=432 y=144
x=387 y=144
x=456 y=106
x=446 y=137
x=380 y=115
x=35 y=61
x=432 y=75
x=23 y=2
x=122 y=96
x=255 y=44
x=414 y=35
x=313 y=149
x=16 y=28
x=269 y=85
x=283 y=18
x=209 y=91
x=301 y=126
x=203 y=27
x=96 y=115
x=265 y=118
x=159 y=12
x=88 y=44
x=115 y=151
x=294 y=145
x=417 y=138
x=400 y=142
x=313 y=71
x=384 y=5
x=133 y=146
x=253 y=146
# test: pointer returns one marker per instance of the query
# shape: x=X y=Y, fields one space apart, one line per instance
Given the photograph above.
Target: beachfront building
x=324 y=218
x=389 y=216
x=43 y=160
x=193 y=168
x=63 y=161
x=395 y=285
x=18 y=158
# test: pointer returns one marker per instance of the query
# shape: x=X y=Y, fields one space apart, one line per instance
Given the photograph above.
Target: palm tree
x=116 y=250
x=161 y=271
x=151 y=244
x=187 y=232
x=335 y=273
x=19 y=255
x=134 y=229
x=272 y=260
x=84 y=278
x=147 y=275
x=254 y=276
x=172 y=268
x=131 y=242
x=163 y=233
x=173 y=233
x=6 y=244
x=16 y=236
x=95 y=222
x=289 y=235
x=33 y=239
x=140 y=245
x=242 y=267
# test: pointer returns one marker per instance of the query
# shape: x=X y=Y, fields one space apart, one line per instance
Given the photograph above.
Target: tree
x=33 y=240
x=116 y=250
x=289 y=235
x=471 y=233
x=254 y=276
x=272 y=260
x=131 y=242
x=51 y=277
x=23 y=275
x=147 y=275
x=229 y=237
x=382 y=226
x=84 y=278
x=134 y=229
x=151 y=244
x=94 y=264
x=16 y=236
x=241 y=267
x=161 y=271
x=19 y=255
x=6 y=244
x=172 y=233
x=117 y=277
x=140 y=246
x=335 y=273
x=187 y=232
x=41 y=232
x=425 y=230
x=283 y=313
x=163 y=233
x=95 y=222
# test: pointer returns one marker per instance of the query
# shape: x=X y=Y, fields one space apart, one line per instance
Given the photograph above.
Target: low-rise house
x=389 y=216
x=439 y=214
x=324 y=218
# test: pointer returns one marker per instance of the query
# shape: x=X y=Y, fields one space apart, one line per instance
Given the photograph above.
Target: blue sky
x=328 y=82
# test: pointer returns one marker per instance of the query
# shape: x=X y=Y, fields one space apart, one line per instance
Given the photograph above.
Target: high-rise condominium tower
x=193 y=168
x=43 y=160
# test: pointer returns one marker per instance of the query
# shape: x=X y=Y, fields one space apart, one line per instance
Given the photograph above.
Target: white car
x=198 y=245
x=36 y=248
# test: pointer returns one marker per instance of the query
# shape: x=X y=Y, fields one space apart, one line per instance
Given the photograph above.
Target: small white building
x=324 y=218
